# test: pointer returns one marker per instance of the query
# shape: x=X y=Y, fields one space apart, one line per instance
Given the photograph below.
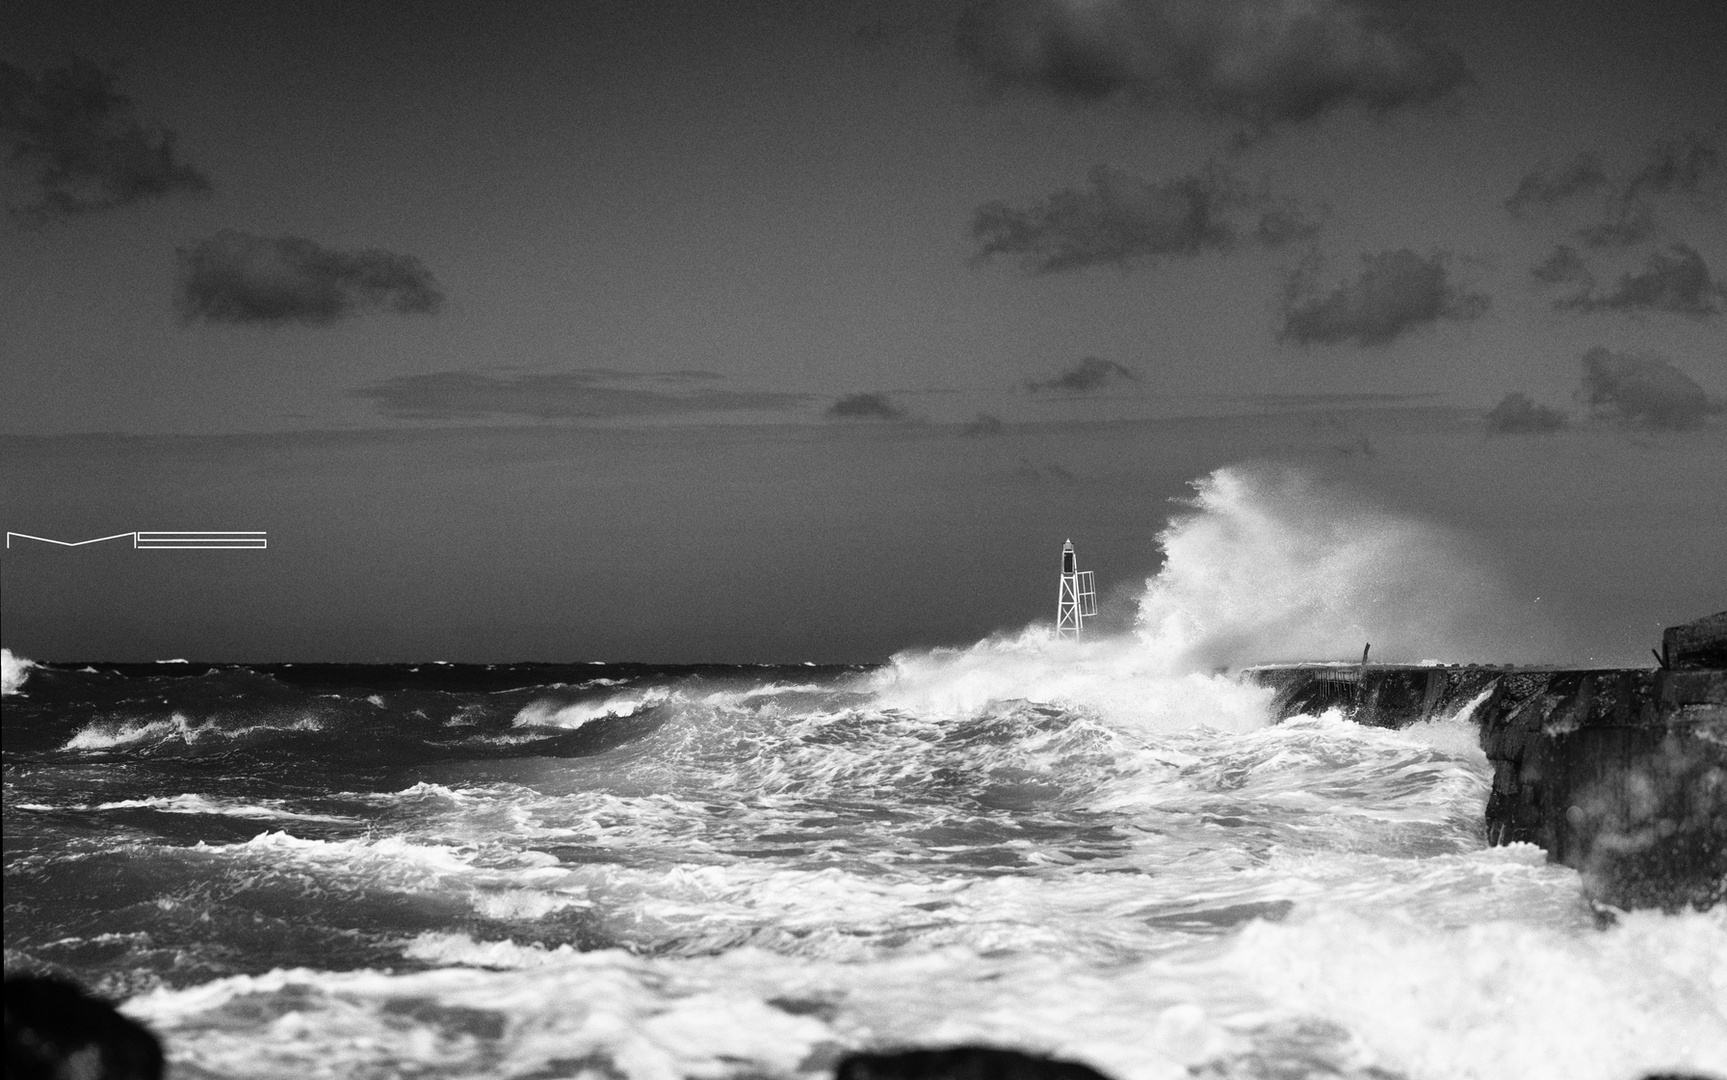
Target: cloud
x=865 y=407
x=235 y=277
x=982 y=424
x=1516 y=414
x=1091 y=373
x=1675 y=280
x=1285 y=224
x=1687 y=165
x=1627 y=228
x=1120 y=219
x=1563 y=267
x=1642 y=391
x=1259 y=62
x=80 y=147
x=1396 y=292
x=565 y=395
x=1031 y=472
x=1546 y=185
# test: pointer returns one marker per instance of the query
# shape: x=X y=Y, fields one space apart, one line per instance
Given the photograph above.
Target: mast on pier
x=1077 y=599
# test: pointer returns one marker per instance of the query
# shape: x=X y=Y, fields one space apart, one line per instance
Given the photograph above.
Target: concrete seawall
x=1620 y=773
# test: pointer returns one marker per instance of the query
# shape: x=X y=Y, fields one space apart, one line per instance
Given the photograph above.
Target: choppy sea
x=1101 y=850
x=622 y=871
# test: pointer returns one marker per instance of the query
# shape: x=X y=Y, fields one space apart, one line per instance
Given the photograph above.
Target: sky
x=774 y=332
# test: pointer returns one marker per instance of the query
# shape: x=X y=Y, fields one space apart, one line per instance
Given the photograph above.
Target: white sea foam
x=461 y=949
x=498 y=884
x=110 y=733
x=1500 y=999
x=552 y=713
x=1457 y=734
x=13 y=671
x=268 y=809
x=1188 y=833
x=1322 y=993
x=1114 y=676
x=766 y=690
x=104 y=735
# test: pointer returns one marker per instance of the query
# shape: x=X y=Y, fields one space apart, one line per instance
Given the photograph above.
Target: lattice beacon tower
x=1077 y=600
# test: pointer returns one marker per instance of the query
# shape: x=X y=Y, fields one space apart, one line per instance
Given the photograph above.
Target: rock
x=1619 y=773
x=1701 y=644
x=961 y=1063
x=55 y=1031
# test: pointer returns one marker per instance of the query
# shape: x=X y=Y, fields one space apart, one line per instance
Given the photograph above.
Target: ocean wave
x=447 y=949
x=1316 y=993
x=13 y=671
x=549 y=712
x=496 y=883
x=268 y=809
x=1111 y=676
x=177 y=727
x=107 y=734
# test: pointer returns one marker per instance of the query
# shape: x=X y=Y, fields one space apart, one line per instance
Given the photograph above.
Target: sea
x=1102 y=850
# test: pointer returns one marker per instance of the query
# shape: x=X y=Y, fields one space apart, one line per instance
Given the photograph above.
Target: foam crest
x=548 y=712
x=112 y=734
x=13 y=671
x=498 y=884
x=107 y=734
x=268 y=809
x=440 y=948
x=1116 y=677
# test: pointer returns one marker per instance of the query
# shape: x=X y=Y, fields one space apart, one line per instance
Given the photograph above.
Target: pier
x=1620 y=773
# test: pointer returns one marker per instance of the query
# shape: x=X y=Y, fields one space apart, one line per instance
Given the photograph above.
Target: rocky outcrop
x=962 y=1063
x=1620 y=773
x=1696 y=646
x=55 y=1030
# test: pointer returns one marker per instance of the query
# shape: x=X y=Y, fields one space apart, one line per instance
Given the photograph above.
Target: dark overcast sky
x=460 y=301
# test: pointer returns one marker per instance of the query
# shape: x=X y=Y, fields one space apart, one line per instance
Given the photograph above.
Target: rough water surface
x=1092 y=849
x=653 y=873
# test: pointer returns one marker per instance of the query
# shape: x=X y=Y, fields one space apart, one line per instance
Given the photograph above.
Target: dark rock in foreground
x=961 y=1063
x=55 y=1031
x=1620 y=773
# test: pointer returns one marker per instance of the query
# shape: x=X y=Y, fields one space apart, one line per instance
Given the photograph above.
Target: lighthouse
x=1076 y=600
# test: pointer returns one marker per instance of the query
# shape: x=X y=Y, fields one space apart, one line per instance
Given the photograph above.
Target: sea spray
x=13 y=671
x=1264 y=564
x=1269 y=564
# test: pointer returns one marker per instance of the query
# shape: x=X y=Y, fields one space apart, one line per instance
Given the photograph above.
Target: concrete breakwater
x=1618 y=772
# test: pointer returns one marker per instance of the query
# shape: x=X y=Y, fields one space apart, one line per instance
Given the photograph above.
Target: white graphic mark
x=205 y=540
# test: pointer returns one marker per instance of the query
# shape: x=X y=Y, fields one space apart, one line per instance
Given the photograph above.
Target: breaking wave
x=1265 y=564
x=112 y=734
x=552 y=713
x=13 y=671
